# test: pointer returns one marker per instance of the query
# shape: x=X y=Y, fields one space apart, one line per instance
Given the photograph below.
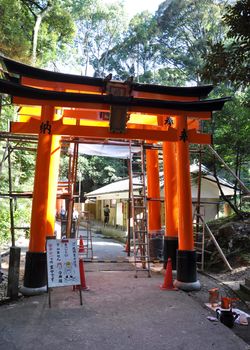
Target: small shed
x=116 y=195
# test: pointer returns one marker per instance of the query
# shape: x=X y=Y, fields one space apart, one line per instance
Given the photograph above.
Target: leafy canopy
x=228 y=60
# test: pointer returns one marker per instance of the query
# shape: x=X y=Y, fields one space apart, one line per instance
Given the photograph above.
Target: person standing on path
x=106 y=214
x=63 y=213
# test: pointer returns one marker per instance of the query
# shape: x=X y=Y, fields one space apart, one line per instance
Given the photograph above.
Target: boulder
x=234 y=240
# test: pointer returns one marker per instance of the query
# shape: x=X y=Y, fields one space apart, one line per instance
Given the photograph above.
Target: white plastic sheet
x=107 y=150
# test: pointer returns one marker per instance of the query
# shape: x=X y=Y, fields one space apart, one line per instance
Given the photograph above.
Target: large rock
x=234 y=240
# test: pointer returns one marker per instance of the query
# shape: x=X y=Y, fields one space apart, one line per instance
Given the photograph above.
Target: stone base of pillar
x=35 y=275
x=187 y=287
x=32 y=291
x=186 y=278
x=169 y=251
x=155 y=245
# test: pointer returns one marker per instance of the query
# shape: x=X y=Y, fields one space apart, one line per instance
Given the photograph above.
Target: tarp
x=113 y=150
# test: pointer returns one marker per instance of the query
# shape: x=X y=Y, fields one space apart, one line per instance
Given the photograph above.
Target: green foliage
x=169 y=76
x=22 y=174
x=170 y=46
x=7 y=113
x=232 y=133
x=237 y=18
x=229 y=58
x=98 y=28
x=24 y=167
x=18 y=23
x=186 y=28
x=100 y=171
x=231 y=137
x=138 y=52
x=15 y=29
x=5 y=221
x=94 y=171
x=56 y=31
x=22 y=214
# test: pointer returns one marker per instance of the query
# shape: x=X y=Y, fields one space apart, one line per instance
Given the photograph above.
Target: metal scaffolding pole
x=12 y=227
x=241 y=184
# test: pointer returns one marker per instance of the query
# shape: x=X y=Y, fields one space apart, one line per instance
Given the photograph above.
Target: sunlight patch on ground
x=107 y=244
x=234 y=285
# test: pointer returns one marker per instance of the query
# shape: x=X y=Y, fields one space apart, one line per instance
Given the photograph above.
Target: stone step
x=247 y=282
x=245 y=288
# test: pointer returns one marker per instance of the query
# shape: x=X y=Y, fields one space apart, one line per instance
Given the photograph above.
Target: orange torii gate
x=55 y=104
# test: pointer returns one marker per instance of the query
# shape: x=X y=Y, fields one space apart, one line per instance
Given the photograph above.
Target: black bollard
x=13 y=276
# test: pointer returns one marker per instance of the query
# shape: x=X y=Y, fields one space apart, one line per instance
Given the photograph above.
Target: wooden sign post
x=62 y=264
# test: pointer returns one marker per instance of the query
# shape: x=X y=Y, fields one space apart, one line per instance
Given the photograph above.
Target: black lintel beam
x=14 y=89
x=21 y=69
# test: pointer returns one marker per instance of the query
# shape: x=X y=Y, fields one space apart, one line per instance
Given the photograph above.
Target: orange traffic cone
x=83 y=285
x=81 y=245
x=168 y=279
x=126 y=250
x=82 y=275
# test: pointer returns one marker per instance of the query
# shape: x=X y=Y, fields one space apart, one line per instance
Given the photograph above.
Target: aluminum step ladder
x=199 y=237
x=137 y=179
x=84 y=236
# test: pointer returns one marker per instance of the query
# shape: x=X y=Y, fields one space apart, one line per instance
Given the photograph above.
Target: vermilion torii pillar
x=43 y=204
x=154 y=204
x=186 y=255
x=171 y=203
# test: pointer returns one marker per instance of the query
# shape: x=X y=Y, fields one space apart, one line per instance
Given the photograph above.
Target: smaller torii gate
x=55 y=105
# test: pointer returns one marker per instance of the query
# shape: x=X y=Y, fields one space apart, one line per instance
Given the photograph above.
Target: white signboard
x=62 y=262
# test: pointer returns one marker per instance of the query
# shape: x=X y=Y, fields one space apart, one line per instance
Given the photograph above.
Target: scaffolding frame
x=8 y=137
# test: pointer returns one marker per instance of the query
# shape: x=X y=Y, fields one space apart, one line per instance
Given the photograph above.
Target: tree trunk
x=38 y=20
x=35 y=38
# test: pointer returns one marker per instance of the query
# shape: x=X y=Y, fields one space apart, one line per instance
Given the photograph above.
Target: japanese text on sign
x=62 y=263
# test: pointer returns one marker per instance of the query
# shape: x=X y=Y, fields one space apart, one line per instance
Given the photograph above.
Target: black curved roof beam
x=21 y=69
x=18 y=90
